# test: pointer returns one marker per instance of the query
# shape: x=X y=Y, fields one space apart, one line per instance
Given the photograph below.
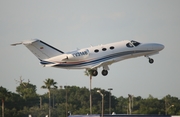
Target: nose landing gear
x=151 y=60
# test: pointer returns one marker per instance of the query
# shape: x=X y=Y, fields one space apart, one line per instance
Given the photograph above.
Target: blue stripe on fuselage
x=97 y=61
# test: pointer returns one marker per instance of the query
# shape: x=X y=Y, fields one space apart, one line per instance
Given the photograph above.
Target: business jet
x=91 y=58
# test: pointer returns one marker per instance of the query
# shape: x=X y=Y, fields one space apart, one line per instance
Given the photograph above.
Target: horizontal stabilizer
x=16 y=44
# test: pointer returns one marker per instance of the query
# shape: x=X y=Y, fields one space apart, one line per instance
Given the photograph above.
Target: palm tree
x=89 y=73
x=49 y=84
x=3 y=94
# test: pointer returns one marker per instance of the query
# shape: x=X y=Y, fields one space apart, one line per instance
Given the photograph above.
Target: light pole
x=102 y=101
x=168 y=109
x=90 y=94
x=66 y=100
x=110 y=99
x=40 y=102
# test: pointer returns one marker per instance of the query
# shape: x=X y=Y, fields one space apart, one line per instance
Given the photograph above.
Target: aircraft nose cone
x=158 y=47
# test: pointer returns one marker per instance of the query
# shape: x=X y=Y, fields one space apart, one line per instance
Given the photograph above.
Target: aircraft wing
x=51 y=65
x=105 y=63
x=47 y=63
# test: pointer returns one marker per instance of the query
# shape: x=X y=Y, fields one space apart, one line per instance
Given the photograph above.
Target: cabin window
x=96 y=50
x=104 y=49
x=112 y=47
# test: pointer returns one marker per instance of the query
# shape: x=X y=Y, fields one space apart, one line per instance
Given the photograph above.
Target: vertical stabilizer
x=41 y=49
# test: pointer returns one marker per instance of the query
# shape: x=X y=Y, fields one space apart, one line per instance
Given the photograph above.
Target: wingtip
x=14 y=44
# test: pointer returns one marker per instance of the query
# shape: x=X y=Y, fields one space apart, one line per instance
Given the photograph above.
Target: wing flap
x=106 y=63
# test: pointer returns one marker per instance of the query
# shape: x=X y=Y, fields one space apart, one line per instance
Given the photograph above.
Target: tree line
x=75 y=100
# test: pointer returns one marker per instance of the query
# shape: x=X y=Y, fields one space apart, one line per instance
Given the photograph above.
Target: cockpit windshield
x=132 y=43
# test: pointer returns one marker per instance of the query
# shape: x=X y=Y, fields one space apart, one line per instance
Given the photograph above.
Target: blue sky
x=71 y=24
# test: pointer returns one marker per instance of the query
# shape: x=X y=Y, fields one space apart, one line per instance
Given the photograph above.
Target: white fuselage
x=87 y=58
x=93 y=57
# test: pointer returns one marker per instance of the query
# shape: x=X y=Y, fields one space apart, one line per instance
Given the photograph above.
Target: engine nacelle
x=78 y=55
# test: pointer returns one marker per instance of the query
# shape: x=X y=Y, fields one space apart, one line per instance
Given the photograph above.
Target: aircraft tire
x=104 y=72
x=94 y=73
x=151 y=61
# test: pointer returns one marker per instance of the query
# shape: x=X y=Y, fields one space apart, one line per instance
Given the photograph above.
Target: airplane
x=91 y=58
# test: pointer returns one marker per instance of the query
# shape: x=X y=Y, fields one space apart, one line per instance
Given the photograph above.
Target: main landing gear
x=95 y=72
x=104 y=72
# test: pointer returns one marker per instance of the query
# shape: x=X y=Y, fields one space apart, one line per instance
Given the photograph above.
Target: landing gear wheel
x=94 y=72
x=151 y=60
x=104 y=72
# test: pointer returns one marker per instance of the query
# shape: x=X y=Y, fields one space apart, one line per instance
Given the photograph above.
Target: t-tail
x=41 y=49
